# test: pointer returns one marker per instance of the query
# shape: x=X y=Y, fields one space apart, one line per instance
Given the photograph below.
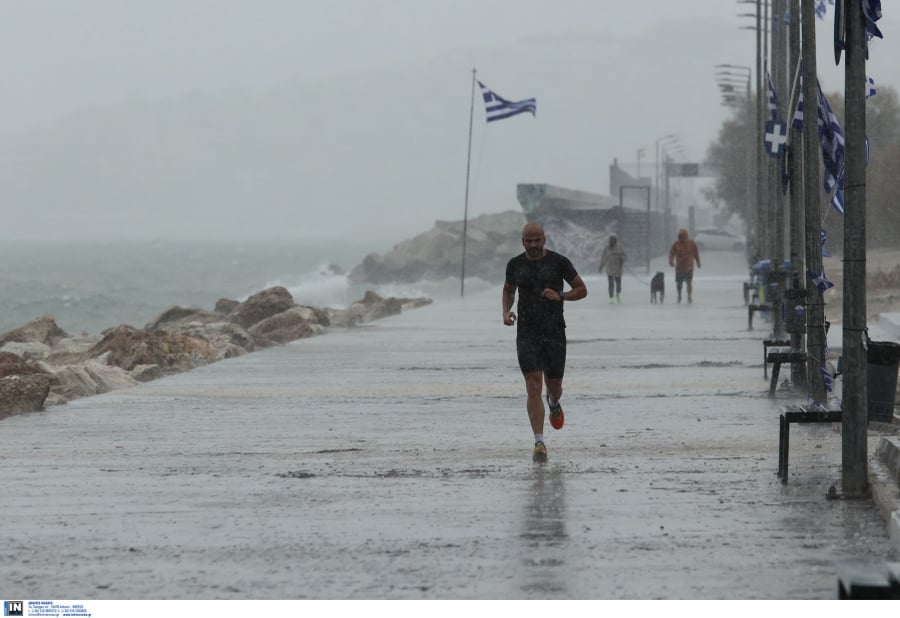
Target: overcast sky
x=58 y=57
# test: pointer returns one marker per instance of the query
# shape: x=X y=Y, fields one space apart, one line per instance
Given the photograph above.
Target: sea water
x=89 y=286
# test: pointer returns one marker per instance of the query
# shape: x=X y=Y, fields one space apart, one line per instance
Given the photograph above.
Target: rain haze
x=229 y=118
x=190 y=190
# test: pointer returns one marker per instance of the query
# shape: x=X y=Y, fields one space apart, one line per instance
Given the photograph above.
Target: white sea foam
x=89 y=287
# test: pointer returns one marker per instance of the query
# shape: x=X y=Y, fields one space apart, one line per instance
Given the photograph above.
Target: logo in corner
x=13 y=608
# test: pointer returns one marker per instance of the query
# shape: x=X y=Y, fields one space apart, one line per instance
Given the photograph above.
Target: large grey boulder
x=264 y=304
x=295 y=323
x=23 y=393
x=127 y=347
x=40 y=330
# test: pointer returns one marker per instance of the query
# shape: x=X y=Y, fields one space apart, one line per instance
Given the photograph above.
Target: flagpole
x=462 y=276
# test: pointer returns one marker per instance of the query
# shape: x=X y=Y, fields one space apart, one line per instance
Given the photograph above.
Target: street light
x=731 y=85
x=665 y=139
x=731 y=96
x=727 y=69
x=673 y=148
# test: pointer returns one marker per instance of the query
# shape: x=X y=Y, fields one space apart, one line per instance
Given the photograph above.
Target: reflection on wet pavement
x=545 y=540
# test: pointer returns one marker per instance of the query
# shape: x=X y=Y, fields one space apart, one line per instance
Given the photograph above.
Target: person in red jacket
x=682 y=255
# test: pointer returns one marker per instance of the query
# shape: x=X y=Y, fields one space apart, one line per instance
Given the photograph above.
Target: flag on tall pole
x=820 y=280
x=499 y=108
x=870 y=87
x=773 y=99
x=831 y=138
x=872 y=12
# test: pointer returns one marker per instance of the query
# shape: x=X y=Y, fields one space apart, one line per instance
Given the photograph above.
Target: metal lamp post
x=662 y=140
x=761 y=218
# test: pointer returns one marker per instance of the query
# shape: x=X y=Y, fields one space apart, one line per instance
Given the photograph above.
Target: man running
x=538 y=275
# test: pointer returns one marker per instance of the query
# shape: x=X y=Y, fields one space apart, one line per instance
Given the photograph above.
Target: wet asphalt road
x=394 y=461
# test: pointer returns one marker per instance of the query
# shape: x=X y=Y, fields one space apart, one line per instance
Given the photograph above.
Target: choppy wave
x=89 y=288
x=320 y=287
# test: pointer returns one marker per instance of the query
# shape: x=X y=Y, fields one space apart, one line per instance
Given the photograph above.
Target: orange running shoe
x=557 y=417
x=540 y=453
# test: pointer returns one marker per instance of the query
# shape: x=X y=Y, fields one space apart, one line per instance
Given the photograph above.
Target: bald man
x=538 y=275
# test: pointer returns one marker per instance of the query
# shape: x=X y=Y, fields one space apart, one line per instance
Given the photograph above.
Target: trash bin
x=882 y=358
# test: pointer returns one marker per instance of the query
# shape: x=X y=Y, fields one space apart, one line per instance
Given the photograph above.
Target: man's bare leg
x=534 y=383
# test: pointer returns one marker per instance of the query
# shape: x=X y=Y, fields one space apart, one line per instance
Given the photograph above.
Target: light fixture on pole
x=662 y=140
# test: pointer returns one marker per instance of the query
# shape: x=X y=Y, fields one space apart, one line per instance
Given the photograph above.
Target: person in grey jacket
x=614 y=260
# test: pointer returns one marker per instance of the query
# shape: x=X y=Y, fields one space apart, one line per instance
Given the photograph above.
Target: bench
x=772 y=343
x=799 y=414
x=750 y=286
x=868 y=581
x=753 y=308
x=779 y=357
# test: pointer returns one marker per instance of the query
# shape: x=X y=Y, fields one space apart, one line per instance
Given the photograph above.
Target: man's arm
x=506 y=303
x=578 y=291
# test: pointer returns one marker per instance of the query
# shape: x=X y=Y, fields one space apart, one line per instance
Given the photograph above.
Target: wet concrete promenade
x=394 y=461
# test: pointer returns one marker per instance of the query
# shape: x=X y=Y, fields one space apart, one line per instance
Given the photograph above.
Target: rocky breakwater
x=437 y=254
x=42 y=365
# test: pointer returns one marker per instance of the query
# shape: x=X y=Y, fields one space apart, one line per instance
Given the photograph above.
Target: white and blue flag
x=797 y=120
x=872 y=11
x=837 y=201
x=775 y=138
x=824 y=237
x=499 y=108
x=831 y=138
x=820 y=9
x=870 y=87
x=773 y=99
x=820 y=280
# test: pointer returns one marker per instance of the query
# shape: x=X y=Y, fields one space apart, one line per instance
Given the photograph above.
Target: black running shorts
x=687 y=275
x=546 y=354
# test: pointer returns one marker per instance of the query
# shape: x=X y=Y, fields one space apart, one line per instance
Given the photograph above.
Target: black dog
x=658 y=286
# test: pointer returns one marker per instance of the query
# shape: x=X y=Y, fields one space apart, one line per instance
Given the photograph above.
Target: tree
x=729 y=154
x=732 y=153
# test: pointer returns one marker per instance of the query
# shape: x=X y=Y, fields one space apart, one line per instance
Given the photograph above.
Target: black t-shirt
x=537 y=314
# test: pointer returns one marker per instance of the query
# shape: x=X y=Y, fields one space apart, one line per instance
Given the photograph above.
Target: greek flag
x=824 y=236
x=820 y=9
x=499 y=108
x=820 y=280
x=872 y=11
x=831 y=138
x=797 y=121
x=837 y=202
x=826 y=377
x=773 y=100
x=870 y=87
